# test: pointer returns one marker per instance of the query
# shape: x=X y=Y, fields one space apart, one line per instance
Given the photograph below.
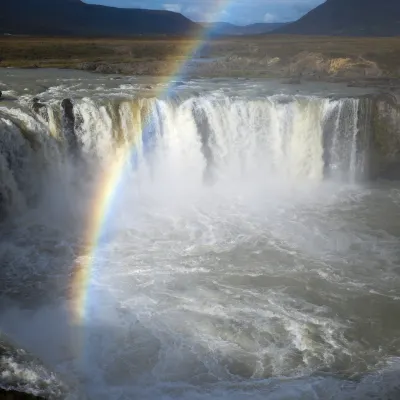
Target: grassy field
x=248 y=52
x=68 y=52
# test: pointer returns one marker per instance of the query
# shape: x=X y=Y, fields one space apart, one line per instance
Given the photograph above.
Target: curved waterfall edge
x=62 y=145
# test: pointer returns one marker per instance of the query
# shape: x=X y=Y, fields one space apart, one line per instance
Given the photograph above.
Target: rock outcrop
x=14 y=395
x=24 y=377
x=304 y=65
x=69 y=126
x=383 y=112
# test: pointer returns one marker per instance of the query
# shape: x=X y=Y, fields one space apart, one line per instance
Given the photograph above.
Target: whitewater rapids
x=244 y=254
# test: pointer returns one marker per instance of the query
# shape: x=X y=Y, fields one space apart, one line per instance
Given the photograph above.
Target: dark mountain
x=349 y=18
x=225 y=28
x=73 y=17
x=262 y=27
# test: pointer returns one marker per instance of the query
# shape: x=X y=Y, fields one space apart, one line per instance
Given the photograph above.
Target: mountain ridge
x=349 y=18
x=76 y=18
x=226 y=28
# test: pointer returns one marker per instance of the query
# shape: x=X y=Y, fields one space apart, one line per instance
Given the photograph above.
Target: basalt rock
x=68 y=108
x=25 y=377
x=69 y=124
x=384 y=110
x=37 y=105
x=15 y=395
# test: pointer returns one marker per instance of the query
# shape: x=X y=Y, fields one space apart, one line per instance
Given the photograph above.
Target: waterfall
x=186 y=140
x=344 y=157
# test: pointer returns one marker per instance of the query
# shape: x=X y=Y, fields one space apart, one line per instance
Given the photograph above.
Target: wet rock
x=68 y=108
x=24 y=377
x=69 y=125
x=37 y=105
x=1 y=94
x=14 y=395
x=87 y=66
x=378 y=124
x=291 y=81
x=107 y=69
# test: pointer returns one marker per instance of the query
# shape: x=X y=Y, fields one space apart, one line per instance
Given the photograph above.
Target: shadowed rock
x=205 y=131
x=68 y=108
x=23 y=376
x=69 y=124
x=384 y=117
x=37 y=105
x=14 y=395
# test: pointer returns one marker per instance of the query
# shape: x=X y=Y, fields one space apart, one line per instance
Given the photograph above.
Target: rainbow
x=107 y=186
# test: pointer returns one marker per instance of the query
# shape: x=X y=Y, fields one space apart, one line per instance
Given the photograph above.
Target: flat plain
x=308 y=57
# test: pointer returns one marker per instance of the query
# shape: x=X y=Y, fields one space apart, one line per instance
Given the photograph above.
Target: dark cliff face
x=349 y=18
x=383 y=123
x=18 y=367
x=73 y=17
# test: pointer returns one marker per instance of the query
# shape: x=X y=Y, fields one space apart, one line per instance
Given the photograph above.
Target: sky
x=241 y=12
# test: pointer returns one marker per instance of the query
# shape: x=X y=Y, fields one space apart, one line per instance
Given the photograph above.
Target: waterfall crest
x=202 y=137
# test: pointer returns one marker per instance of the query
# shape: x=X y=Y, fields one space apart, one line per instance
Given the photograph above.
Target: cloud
x=235 y=11
x=173 y=7
x=268 y=17
x=198 y=13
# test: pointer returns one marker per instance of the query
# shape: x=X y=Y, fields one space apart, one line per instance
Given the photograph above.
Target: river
x=215 y=239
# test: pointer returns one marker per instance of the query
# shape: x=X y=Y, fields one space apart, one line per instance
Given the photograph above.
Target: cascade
x=188 y=140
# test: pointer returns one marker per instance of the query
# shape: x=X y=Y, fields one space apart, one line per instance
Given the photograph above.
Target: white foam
x=201 y=291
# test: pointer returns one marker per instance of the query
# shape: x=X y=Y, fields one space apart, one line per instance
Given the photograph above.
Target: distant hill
x=349 y=18
x=73 y=17
x=225 y=28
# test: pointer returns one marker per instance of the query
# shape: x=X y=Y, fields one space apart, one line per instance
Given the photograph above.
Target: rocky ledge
x=25 y=377
x=14 y=395
x=302 y=66
x=381 y=116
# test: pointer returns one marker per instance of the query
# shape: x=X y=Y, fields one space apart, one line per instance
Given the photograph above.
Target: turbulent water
x=244 y=254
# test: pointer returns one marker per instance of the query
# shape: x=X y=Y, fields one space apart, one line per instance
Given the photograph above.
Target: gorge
x=207 y=239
